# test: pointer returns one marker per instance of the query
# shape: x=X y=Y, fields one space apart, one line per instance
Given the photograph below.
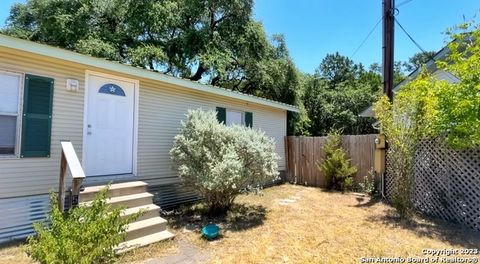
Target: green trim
x=65 y=55
x=249 y=119
x=37 y=116
x=222 y=115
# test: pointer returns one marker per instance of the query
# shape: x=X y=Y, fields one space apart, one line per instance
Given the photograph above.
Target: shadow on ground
x=240 y=217
x=366 y=201
x=432 y=228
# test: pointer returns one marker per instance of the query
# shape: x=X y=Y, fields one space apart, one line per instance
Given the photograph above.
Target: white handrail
x=69 y=158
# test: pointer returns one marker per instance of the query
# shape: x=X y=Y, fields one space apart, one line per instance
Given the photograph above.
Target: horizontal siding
x=19 y=214
x=161 y=108
x=33 y=176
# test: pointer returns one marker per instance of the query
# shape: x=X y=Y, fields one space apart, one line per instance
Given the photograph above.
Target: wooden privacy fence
x=303 y=153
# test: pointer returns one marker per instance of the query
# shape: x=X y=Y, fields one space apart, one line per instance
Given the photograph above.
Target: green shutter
x=222 y=115
x=37 y=116
x=249 y=119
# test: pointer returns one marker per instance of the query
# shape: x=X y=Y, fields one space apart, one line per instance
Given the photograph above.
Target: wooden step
x=143 y=241
x=127 y=201
x=149 y=211
x=145 y=227
x=117 y=189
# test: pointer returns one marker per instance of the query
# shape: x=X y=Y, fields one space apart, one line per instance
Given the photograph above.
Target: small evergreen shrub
x=221 y=161
x=336 y=167
x=82 y=235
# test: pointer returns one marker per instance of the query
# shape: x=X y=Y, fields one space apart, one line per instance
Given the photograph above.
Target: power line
x=403 y=3
x=409 y=36
x=366 y=38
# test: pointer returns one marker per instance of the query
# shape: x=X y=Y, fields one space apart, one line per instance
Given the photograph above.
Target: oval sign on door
x=111 y=88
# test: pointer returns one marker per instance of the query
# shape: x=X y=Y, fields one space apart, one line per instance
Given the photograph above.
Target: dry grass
x=14 y=254
x=312 y=226
x=157 y=250
x=315 y=226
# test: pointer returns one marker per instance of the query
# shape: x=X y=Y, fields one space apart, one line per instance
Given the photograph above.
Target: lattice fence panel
x=446 y=183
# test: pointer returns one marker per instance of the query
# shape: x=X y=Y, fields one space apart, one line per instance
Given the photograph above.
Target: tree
x=337 y=93
x=418 y=60
x=212 y=41
x=336 y=167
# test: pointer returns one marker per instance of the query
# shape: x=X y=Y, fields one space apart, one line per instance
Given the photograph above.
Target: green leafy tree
x=336 y=167
x=428 y=107
x=418 y=60
x=86 y=234
x=335 y=95
x=212 y=41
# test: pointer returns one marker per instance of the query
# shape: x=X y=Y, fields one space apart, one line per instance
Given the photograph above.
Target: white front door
x=109 y=126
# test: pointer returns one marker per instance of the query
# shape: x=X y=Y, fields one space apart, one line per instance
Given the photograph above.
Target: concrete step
x=143 y=241
x=128 y=201
x=149 y=211
x=117 y=189
x=145 y=227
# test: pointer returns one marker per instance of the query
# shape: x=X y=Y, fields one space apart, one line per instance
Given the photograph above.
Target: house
x=431 y=67
x=120 y=119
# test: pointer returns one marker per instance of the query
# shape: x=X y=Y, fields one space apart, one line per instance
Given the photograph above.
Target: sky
x=315 y=28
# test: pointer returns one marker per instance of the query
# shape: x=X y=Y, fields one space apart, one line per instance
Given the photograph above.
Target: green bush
x=336 y=167
x=82 y=235
x=367 y=186
x=221 y=161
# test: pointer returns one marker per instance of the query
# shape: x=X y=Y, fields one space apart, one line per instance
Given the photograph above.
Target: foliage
x=214 y=41
x=368 y=184
x=85 y=234
x=456 y=106
x=337 y=93
x=418 y=60
x=221 y=161
x=336 y=167
x=429 y=107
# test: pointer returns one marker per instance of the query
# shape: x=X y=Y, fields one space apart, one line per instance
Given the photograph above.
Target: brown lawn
x=296 y=224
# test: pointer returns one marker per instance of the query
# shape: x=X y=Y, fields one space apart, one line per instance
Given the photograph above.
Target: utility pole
x=388 y=13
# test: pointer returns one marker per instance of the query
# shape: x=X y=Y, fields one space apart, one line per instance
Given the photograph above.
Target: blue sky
x=314 y=28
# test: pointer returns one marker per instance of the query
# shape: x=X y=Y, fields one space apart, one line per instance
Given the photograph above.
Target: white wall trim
x=66 y=55
x=136 y=83
x=18 y=129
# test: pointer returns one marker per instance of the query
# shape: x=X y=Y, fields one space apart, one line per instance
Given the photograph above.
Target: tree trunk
x=198 y=75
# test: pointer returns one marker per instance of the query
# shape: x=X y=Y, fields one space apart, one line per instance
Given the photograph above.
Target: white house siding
x=33 y=176
x=161 y=108
x=25 y=182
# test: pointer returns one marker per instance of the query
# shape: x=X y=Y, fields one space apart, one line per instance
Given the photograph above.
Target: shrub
x=336 y=167
x=367 y=186
x=221 y=161
x=81 y=235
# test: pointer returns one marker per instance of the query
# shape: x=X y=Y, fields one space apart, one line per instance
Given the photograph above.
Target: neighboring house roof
x=62 y=54
x=431 y=66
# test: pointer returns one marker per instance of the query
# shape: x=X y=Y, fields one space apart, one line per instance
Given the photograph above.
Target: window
x=9 y=112
x=231 y=117
x=234 y=118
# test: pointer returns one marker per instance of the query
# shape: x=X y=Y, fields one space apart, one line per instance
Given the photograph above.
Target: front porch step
x=148 y=228
x=144 y=241
x=117 y=189
x=149 y=211
x=128 y=201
